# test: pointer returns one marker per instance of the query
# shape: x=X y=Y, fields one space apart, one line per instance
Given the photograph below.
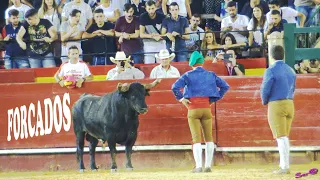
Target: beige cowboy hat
x=164 y=54
x=120 y=56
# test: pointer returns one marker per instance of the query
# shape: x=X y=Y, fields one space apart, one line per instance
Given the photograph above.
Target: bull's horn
x=123 y=87
x=153 y=84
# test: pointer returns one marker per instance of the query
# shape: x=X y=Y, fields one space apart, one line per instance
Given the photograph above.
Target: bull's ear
x=153 y=84
x=123 y=87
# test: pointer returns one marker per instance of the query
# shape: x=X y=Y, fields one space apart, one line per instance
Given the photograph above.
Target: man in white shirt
x=235 y=22
x=22 y=8
x=286 y=13
x=123 y=69
x=164 y=70
x=86 y=17
x=75 y=68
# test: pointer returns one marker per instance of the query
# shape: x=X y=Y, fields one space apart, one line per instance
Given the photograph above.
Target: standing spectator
x=15 y=56
x=51 y=11
x=39 y=34
x=101 y=45
x=257 y=25
x=164 y=70
x=127 y=29
x=286 y=13
x=111 y=13
x=138 y=6
x=119 y=4
x=71 y=30
x=247 y=9
x=184 y=7
x=275 y=25
x=307 y=7
x=235 y=22
x=208 y=45
x=22 y=8
x=277 y=91
x=86 y=13
x=177 y=30
x=150 y=27
x=197 y=33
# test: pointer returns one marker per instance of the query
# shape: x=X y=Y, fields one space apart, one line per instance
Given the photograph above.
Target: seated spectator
x=22 y=8
x=111 y=13
x=235 y=22
x=275 y=25
x=164 y=70
x=229 y=41
x=84 y=8
x=306 y=7
x=257 y=25
x=307 y=66
x=197 y=34
x=127 y=29
x=286 y=13
x=101 y=45
x=177 y=30
x=150 y=27
x=209 y=44
x=51 y=11
x=138 y=6
x=79 y=70
x=229 y=59
x=184 y=7
x=123 y=69
x=71 y=30
x=15 y=57
x=40 y=34
x=248 y=7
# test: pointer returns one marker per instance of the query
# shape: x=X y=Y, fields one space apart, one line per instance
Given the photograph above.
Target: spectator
x=229 y=41
x=138 y=7
x=257 y=25
x=110 y=12
x=235 y=22
x=208 y=45
x=248 y=7
x=101 y=45
x=39 y=34
x=123 y=69
x=212 y=7
x=118 y=4
x=75 y=68
x=164 y=70
x=275 y=25
x=307 y=7
x=286 y=13
x=229 y=58
x=307 y=66
x=22 y=8
x=15 y=57
x=197 y=33
x=71 y=30
x=184 y=7
x=177 y=30
x=86 y=13
x=127 y=29
x=51 y=11
x=150 y=27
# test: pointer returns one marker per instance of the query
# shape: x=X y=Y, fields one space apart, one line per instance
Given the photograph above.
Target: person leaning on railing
x=209 y=45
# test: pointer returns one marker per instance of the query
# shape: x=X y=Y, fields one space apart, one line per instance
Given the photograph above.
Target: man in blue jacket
x=277 y=90
x=200 y=91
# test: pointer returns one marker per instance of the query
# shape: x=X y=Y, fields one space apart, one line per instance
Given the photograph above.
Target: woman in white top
x=257 y=24
x=110 y=12
x=184 y=7
x=50 y=11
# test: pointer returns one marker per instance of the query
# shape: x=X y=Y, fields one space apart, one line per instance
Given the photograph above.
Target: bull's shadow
x=112 y=118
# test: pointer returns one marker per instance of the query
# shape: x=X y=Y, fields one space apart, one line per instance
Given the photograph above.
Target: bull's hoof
x=129 y=169
x=94 y=170
x=81 y=170
x=113 y=170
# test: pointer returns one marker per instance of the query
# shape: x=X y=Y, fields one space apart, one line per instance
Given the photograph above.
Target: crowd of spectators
x=39 y=33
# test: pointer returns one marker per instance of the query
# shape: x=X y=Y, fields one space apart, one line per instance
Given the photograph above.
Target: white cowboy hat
x=164 y=54
x=120 y=56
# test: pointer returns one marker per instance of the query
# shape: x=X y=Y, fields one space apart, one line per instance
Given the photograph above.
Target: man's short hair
x=74 y=12
x=232 y=4
x=197 y=16
x=98 y=11
x=150 y=3
x=30 y=13
x=13 y=12
x=127 y=7
x=275 y=12
x=73 y=47
x=275 y=2
x=174 y=4
x=277 y=52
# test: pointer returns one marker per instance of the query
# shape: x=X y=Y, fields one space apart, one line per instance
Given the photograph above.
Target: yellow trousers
x=197 y=119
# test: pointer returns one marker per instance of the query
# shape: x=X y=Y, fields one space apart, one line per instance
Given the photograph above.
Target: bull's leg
x=113 y=151
x=80 y=146
x=128 y=155
x=92 y=150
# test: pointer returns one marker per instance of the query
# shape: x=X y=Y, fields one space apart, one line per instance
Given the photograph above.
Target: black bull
x=112 y=118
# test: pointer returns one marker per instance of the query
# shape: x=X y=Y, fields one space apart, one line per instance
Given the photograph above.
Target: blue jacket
x=279 y=82
x=200 y=83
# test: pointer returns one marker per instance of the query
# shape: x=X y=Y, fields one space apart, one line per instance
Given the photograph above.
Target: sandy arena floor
x=219 y=172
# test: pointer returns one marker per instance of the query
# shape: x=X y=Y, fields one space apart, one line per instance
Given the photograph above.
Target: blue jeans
x=308 y=12
x=137 y=57
x=46 y=61
x=13 y=63
x=101 y=60
x=180 y=50
x=181 y=57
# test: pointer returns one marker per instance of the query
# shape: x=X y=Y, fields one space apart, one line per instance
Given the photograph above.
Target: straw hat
x=164 y=54
x=120 y=56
